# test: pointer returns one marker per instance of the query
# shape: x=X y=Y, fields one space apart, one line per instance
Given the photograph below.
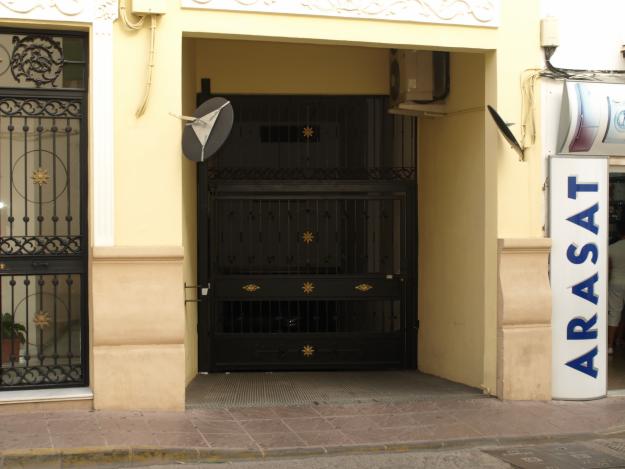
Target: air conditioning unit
x=419 y=81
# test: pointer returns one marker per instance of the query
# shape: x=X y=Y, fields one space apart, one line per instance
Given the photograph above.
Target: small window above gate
x=42 y=61
x=316 y=138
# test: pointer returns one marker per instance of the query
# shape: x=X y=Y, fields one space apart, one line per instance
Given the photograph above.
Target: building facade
x=454 y=278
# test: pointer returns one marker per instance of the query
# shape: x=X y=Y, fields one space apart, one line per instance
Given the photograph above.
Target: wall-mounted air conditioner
x=419 y=81
x=592 y=119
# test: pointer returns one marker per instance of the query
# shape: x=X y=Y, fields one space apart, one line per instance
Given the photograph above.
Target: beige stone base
x=139 y=377
x=524 y=320
x=138 y=328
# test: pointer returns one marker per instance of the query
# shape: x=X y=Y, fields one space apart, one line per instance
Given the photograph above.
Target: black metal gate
x=43 y=209
x=307 y=237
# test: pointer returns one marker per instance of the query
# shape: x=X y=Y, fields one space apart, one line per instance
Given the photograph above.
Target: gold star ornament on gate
x=40 y=176
x=308 y=237
x=308 y=351
x=41 y=319
x=308 y=132
x=308 y=287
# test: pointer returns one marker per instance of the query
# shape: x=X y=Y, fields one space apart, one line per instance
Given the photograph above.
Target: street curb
x=116 y=457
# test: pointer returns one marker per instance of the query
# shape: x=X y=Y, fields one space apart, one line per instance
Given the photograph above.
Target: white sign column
x=579 y=267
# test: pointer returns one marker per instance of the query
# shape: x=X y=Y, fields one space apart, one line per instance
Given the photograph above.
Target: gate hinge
x=203 y=292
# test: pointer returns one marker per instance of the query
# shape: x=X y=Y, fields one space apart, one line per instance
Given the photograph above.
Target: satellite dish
x=208 y=129
x=505 y=131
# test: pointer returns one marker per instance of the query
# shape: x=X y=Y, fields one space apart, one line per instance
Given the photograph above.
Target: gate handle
x=41 y=265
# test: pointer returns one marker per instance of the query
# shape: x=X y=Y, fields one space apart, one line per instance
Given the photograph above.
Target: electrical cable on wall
x=136 y=26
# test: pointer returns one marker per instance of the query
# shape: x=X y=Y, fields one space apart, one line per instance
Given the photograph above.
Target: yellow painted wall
x=189 y=215
x=493 y=194
x=148 y=195
x=269 y=67
x=452 y=220
x=520 y=197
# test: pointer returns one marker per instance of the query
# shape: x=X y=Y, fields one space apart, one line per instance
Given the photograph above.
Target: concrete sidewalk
x=116 y=439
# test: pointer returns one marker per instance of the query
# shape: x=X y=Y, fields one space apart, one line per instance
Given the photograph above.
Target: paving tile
x=354 y=423
x=10 y=440
x=130 y=438
x=249 y=413
x=264 y=426
x=325 y=438
x=13 y=424
x=211 y=414
x=295 y=411
x=415 y=418
x=502 y=424
x=414 y=406
x=278 y=440
x=78 y=440
x=375 y=408
x=121 y=414
x=468 y=404
x=218 y=426
x=123 y=424
x=229 y=441
x=452 y=431
x=73 y=425
x=338 y=410
x=409 y=434
x=181 y=440
x=310 y=424
x=168 y=423
x=372 y=436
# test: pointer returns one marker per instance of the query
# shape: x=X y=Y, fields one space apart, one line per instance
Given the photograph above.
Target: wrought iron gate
x=43 y=209
x=307 y=237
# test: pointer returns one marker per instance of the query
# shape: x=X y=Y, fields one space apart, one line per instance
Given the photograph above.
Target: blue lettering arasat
x=586 y=289
x=588 y=249
x=574 y=188
x=585 y=363
x=581 y=329
x=586 y=219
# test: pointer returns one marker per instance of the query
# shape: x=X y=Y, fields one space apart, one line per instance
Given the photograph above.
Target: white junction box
x=148 y=7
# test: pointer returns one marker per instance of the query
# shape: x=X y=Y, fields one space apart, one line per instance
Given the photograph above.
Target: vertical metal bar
x=39 y=292
x=27 y=325
x=55 y=287
x=11 y=185
x=317 y=234
x=262 y=265
x=40 y=188
x=54 y=179
x=298 y=232
x=68 y=131
x=70 y=354
x=337 y=241
x=13 y=283
x=288 y=236
x=26 y=219
x=355 y=235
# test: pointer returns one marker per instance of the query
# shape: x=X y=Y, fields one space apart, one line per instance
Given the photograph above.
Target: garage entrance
x=307 y=237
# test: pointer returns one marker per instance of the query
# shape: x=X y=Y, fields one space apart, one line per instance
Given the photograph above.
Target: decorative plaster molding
x=465 y=12
x=100 y=14
x=65 y=7
x=107 y=10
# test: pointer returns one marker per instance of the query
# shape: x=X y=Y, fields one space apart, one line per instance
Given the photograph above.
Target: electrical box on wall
x=148 y=7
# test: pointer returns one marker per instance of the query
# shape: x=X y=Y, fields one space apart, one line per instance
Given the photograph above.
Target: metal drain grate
x=301 y=388
x=564 y=456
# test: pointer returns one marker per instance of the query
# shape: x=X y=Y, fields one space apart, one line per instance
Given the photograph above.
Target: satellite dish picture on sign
x=208 y=129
